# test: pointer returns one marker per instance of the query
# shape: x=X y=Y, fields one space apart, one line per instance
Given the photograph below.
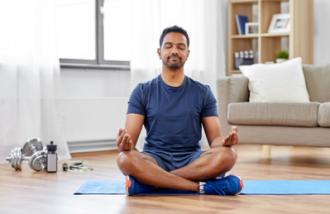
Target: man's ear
x=158 y=51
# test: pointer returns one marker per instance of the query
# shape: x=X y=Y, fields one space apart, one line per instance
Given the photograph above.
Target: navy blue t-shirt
x=172 y=114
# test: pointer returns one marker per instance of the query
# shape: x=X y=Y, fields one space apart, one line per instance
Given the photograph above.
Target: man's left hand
x=231 y=139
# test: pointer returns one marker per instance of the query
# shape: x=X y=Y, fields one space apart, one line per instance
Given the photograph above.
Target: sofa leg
x=266 y=151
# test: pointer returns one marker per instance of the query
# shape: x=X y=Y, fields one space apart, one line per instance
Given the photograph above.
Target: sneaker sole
x=128 y=184
x=241 y=184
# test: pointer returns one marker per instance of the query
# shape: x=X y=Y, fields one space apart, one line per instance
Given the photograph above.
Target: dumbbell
x=32 y=146
x=15 y=158
x=32 y=151
x=38 y=161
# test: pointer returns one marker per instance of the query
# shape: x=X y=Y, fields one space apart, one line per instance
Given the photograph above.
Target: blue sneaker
x=229 y=185
x=133 y=187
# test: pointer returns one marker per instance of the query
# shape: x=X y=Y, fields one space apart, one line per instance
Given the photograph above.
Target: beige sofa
x=303 y=124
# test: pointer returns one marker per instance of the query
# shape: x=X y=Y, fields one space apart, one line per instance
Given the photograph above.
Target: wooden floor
x=31 y=192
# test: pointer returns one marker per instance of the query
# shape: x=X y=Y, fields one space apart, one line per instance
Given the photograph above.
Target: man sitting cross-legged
x=173 y=108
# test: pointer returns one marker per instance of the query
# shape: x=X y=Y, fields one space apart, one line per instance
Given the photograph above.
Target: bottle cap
x=51 y=147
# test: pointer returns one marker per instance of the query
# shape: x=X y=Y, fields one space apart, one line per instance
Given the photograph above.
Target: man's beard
x=174 y=65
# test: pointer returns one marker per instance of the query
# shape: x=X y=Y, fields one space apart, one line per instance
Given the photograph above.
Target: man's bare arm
x=212 y=131
x=127 y=137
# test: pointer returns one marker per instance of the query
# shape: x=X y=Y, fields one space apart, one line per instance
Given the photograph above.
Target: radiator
x=91 y=124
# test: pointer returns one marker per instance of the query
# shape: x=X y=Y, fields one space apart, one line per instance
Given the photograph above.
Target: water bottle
x=51 y=157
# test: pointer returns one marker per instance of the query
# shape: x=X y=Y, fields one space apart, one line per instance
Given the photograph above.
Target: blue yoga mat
x=100 y=187
x=286 y=187
x=118 y=188
x=251 y=187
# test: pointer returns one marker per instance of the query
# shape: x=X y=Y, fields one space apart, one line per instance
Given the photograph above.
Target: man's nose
x=174 y=50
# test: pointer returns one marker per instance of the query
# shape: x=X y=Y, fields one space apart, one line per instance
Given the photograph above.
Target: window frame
x=99 y=62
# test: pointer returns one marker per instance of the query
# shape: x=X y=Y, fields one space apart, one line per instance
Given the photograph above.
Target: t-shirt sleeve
x=209 y=104
x=136 y=102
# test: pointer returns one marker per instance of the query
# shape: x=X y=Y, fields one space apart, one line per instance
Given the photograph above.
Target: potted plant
x=281 y=56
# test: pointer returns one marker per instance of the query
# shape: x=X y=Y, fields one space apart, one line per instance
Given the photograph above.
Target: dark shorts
x=171 y=161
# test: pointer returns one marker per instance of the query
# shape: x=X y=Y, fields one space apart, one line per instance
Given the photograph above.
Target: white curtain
x=321 y=32
x=205 y=22
x=29 y=72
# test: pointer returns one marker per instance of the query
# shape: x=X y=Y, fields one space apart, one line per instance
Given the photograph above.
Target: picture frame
x=251 y=28
x=280 y=23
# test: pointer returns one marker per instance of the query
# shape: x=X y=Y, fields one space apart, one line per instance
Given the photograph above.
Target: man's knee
x=125 y=161
x=229 y=157
x=226 y=158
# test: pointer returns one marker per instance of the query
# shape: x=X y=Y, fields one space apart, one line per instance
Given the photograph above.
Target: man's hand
x=232 y=138
x=124 y=141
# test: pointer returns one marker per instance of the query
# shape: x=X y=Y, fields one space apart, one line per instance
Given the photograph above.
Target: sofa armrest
x=230 y=90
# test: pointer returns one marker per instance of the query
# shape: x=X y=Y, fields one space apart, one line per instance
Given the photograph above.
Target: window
x=117 y=18
x=93 y=33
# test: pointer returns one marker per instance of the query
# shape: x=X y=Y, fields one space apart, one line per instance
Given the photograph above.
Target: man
x=173 y=108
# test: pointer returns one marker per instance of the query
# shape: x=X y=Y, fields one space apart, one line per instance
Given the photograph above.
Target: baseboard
x=79 y=146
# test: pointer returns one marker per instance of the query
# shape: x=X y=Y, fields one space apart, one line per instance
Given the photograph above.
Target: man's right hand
x=124 y=141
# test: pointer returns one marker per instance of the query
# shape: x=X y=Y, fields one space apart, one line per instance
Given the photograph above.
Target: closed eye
x=181 y=46
x=168 y=45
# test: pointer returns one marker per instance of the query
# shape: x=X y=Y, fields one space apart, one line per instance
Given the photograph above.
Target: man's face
x=174 y=51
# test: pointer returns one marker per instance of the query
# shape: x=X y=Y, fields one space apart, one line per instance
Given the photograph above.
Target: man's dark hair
x=175 y=29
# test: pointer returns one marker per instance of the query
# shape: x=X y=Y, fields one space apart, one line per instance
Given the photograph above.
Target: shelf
x=274 y=34
x=297 y=42
x=249 y=36
x=236 y=72
x=244 y=1
x=275 y=0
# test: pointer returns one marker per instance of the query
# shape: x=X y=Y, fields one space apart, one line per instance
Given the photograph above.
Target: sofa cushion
x=282 y=82
x=324 y=115
x=281 y=114
x=318 y=82
x=238 y=88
